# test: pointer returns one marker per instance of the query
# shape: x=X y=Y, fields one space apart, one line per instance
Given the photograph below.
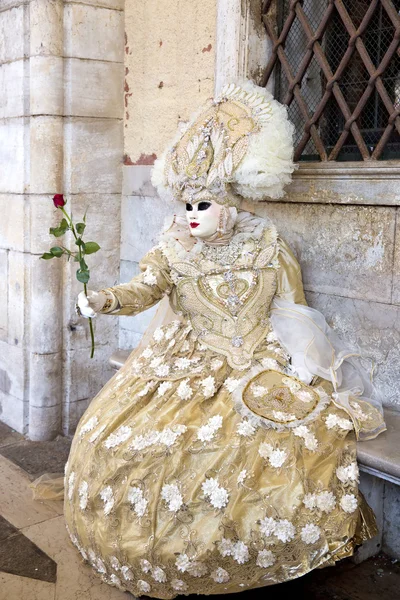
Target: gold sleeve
x=290 y=284
x=144 y=290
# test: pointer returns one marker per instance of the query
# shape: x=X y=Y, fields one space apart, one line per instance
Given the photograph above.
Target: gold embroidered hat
x=239 y=145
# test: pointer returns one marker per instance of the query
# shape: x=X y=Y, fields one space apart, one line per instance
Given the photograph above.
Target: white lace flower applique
x=207 y=432
x=324 y=501
x=270 y=363
x=143 y=586
x=127 y=573
x=238 y=550
x=163 y=388
x=147 y=353
x=172 y=496
x=107 y=496
x=184 y=390
x=83 y=494
x=208 y=385
x=242 y=476
x=310 y=533
x=220 y=575
x=334 y=421
x=158 y=334
x=349 y=503
x=182 y=562
x=178 y=585
x=349 y=474
x=216 y=364
x=122 y=434
x=282 y=416
x=258 y=391
x=97 y=433
x=271 y=337
x=71 y=484
x=265 y=559
x=197 y=569
x=114 y=580
x=231 y=384
x=167 y=437
x=88 y=426
x=304 y=396
x=310 y=441
x=172 y=329
x=159 y=575
x=283 y=529
x=149 y=277
x=185 y=564
x=182 y=363
x=185 y=346
x=137 y=499
x=245 y=428
x=216 y=494
x=146 y=389
x=156 y=362
x=162 y=370
x=115 y=564
x=293 y=385
x=275 y=457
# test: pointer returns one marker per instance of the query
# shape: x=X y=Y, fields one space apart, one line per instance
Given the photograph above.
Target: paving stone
x=20 y=556
x=8 y=435
x=39 y=457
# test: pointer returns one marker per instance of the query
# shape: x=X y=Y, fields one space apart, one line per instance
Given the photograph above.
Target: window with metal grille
x=336 y=64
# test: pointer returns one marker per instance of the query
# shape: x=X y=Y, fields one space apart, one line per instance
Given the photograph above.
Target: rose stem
x=84 y=285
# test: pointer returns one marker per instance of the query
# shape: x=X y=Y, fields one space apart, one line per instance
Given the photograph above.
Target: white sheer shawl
x=316 y=350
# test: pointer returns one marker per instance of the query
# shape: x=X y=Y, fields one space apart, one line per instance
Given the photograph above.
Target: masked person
x=222 y=456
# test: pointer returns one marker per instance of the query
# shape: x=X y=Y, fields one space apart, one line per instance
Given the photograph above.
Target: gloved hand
x=89 y=305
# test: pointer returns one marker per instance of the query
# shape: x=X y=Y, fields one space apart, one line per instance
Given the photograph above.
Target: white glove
x=90 y=304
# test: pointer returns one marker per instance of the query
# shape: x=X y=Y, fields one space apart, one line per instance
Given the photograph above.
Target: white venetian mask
x=203 y=218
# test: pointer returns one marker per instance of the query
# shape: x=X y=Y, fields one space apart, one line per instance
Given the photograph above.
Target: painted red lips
x=194 y=225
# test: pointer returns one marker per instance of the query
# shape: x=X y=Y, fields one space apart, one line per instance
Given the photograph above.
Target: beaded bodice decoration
x=226 y=292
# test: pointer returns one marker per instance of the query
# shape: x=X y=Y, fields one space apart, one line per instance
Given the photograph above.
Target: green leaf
x=60 y=230
x=83 y=265
x=91 y=247
x=57 y=251
x=82 y=276
x=47 y=256
x=64 y=225
x=56 y=231
x=80 y=227
x=79 y=242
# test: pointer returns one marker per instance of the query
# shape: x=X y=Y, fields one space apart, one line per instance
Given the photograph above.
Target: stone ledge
x=379 y=457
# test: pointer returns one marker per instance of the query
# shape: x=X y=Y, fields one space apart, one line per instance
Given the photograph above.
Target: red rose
x=59 y=201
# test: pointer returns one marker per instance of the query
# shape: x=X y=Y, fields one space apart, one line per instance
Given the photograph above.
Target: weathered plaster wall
x=61 y=108
x=169 y=72
x=169 y=65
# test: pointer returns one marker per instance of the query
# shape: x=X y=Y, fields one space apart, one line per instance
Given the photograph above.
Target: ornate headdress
x=238 y=146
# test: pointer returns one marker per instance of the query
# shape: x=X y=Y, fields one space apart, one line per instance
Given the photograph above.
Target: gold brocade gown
x=205 y=466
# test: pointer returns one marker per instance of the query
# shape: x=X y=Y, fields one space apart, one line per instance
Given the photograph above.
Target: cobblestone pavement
x=38 y=562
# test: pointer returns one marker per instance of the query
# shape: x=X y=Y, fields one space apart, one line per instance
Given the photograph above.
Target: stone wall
x=61 y=108
x=169 y=69
x=169 y=72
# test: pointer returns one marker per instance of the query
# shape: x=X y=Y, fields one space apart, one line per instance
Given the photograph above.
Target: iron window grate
x=336 y=64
